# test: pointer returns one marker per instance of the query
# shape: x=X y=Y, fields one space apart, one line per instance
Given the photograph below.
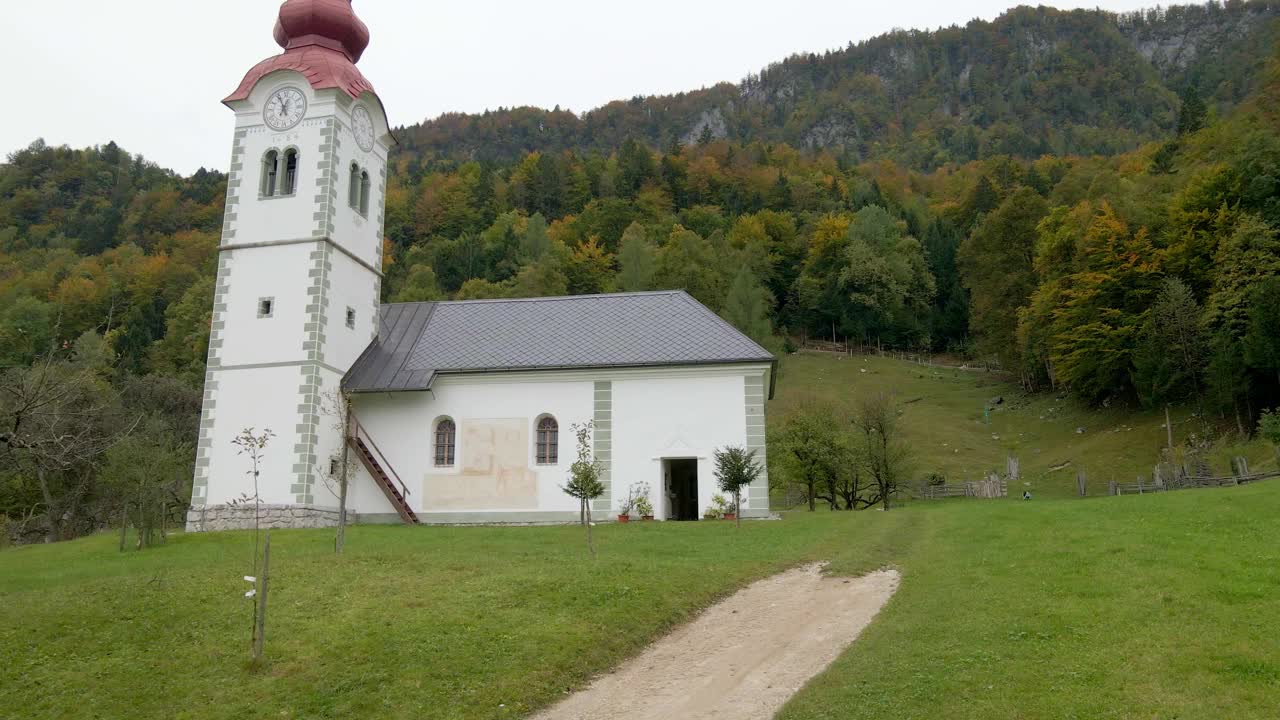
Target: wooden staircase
x=383 y=474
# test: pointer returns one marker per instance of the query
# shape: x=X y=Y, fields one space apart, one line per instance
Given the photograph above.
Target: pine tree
x=1191 y=116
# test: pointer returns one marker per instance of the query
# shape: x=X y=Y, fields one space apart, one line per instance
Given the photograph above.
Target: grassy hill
x=1152 y=606
x=950 y=432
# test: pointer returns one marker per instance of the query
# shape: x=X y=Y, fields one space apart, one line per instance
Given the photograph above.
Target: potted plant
x=717 y=509
x=628 y=504
x=638 y=500
x=730 y=510
x=645 y=508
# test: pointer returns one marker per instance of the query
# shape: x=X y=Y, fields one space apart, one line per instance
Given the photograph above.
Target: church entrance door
x=682 y=488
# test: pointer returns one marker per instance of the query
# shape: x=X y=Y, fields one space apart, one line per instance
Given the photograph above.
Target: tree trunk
x=737 y=505
x=124 y=524
x=1168 y=426
x=587 y=515
x=53 y=528
x=341 y=538
x=812 y=501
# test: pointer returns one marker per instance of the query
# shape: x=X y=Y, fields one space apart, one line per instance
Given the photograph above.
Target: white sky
x=150 y=74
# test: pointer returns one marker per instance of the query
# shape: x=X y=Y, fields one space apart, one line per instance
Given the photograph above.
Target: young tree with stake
x=736 y=468
x=584 y=477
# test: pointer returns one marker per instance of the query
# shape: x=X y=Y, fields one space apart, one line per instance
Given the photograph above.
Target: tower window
x=351 y=318
x=364 y=193
x=290 y=172
x=270 y=168
x=266 y=306
x=353 y=188
x=446 y=435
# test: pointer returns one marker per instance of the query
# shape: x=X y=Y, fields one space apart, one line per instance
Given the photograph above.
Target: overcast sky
x=150 y=74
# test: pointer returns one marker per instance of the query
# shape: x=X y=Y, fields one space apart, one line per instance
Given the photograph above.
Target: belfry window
x=364 y=193
x=270 y=169
x=290 y=172
x=353 y=188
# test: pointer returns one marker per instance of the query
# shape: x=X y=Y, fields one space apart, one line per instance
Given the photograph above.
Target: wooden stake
x=260 y=622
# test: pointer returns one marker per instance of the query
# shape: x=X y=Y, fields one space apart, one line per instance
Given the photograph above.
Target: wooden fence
x=1176 y=482
x=992 y=487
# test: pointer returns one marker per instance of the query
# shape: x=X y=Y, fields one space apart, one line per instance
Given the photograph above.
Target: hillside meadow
x=1139 y=606
x=954 y=427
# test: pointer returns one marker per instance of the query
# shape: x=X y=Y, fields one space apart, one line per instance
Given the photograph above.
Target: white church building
x=458 y=412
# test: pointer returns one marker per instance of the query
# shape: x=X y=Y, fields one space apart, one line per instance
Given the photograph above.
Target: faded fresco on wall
x=493 y=473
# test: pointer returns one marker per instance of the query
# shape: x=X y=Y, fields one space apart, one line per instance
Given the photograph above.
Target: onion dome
x=323 y=40
x=326 y=23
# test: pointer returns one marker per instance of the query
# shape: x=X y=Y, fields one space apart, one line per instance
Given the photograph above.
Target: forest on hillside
x=1145 y=271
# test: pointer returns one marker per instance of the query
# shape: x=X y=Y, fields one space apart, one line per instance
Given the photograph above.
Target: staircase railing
x=360 y=439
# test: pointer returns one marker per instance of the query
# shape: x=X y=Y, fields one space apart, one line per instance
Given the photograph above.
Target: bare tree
x=253 y=446
x=337 y=405
x=876 y=421
x=57 y=418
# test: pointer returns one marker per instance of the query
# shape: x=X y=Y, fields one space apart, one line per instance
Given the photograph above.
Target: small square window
x=351 y=318
x=265 y=307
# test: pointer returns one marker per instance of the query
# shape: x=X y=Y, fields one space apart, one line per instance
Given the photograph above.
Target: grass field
x=944 y=421
x=1134 y=607
x=1145 y=607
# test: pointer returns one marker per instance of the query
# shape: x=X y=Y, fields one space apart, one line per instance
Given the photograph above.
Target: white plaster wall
x=263 y=398
x=402 y=425
x=674 y=417
x=657 y=413
x=350 y=285
x=280 y=273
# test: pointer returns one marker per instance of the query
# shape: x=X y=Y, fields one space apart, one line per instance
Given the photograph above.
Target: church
x=437 y=412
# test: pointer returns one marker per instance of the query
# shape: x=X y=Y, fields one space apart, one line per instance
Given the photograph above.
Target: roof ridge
x=556 y=298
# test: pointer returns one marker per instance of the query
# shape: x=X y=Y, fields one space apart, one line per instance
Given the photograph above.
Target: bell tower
x=299 y=270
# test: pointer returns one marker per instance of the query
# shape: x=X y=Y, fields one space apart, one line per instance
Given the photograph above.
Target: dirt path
x=742 y=658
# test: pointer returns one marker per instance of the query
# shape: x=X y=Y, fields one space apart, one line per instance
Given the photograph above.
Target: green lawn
x=1135 y=607
x=944 y=422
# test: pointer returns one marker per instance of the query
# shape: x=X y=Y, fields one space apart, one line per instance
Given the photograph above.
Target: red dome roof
x=322 y=40
x=327 y=23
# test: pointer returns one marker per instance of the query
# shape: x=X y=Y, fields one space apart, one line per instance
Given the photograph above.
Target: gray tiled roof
x=417 y=341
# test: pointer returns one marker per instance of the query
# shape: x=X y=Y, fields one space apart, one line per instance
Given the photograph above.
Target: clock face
x=362 y=126
x=285 y=108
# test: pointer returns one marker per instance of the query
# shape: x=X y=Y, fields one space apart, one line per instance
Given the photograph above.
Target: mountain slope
x=1033 y=81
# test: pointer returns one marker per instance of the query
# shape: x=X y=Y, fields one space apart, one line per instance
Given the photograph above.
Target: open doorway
x=682 y=488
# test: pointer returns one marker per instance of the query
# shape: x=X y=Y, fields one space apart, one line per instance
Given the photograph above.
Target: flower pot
x=646 y=517
x=730 y=516
x=624 y=518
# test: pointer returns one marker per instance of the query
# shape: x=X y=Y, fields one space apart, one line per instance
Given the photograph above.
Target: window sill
x=277 y=197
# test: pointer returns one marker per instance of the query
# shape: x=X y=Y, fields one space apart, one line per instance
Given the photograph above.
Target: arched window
x=353 y=188
x=270 y=166
x=547 y=448
x=364 y=193
x=446 y=442
x=290 y=172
